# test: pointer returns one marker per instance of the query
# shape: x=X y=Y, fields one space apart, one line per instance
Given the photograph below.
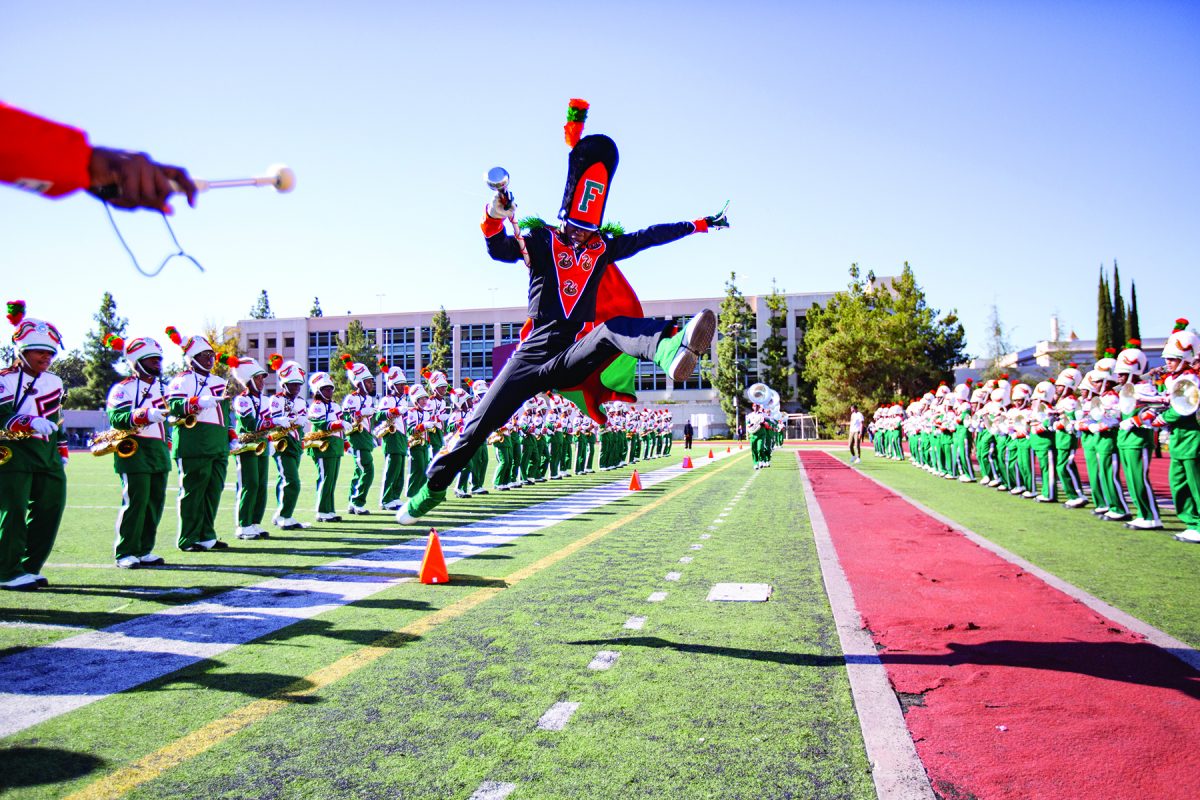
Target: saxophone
x=317 y=440
x=419 y=437
x=6 y=435
x=121 y=441
x=254 y=443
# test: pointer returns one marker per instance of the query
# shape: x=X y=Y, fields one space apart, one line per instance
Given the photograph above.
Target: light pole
x=735 y=330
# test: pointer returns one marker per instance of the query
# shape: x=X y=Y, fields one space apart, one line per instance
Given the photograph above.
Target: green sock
x=425 y=500
x=664 y=354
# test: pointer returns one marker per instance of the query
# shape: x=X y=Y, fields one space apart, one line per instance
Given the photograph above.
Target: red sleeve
x=42 y=156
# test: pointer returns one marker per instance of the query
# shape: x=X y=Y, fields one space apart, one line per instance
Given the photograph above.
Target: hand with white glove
x=156 y=415
x=205 y=401
x=501 y=208
x=42 y=426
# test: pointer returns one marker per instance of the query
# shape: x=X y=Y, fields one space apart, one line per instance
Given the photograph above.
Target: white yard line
x=895 y=768
x=44 y=682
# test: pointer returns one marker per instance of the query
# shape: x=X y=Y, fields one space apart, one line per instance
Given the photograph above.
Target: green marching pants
x=143 y=495
x=1184 y=477
x=363 y=477
x=1068 y=473
x=393 y=476
x=418 y=462
x=31 y=506
x=1108 y=468
x=1136 y=464
x=251 y=489
x=201 y=481
x=327 y=475
x=287 y=487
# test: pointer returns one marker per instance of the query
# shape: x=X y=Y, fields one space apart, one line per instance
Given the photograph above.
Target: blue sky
x=1004 y=149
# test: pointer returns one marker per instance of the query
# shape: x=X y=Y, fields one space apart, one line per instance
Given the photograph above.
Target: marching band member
x=288 y=410
x=961 y=438
x=1042 y=440
x=358 y=412
x=329 y=444
x=503 y=440
x=33 y=481
x=755 y=422
x=1066 y=438
x=1180 y=354
x=477 y=466
x=438 y=387
x=137 y=405
x=420 y=423
x=1135 y=436
x=1105 y=425
x=1089 y=394
x=389 y=417
x=460 y=403
x=201 y=449
x=252 y=419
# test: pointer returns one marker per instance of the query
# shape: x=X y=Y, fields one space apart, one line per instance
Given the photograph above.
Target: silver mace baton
x=497 y=179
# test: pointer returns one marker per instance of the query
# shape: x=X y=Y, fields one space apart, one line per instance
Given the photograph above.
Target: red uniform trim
x=40 y=155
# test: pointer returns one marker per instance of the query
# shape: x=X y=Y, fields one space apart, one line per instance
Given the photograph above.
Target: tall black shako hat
x=590 y=170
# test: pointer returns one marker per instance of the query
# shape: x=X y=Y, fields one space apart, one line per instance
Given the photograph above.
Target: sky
x=1006 y=150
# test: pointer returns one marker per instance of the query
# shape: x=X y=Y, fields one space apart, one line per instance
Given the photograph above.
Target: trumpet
x=121 y=441
x=316 y=440
x=187 y=421
x=6 y=452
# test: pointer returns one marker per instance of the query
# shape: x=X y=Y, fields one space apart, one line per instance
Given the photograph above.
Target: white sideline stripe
x=43 y=626
x=634 y=623
x=1181 y=650
x=673 y=576
x=895 y=768
x=44 y=682
x=656 y=597
x=557 y=717
x=604 y=659
x=493 y=790
x=685 y=560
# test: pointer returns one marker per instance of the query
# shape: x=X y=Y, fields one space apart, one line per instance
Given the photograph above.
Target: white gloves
x=496 y=209
x=155 y=415
x=42 y=426
x=205 y=401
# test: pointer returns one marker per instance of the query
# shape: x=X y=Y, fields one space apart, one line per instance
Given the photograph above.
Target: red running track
x=1016 y=690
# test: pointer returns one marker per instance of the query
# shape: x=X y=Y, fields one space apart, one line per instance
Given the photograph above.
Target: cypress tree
x=1117 y=330
x=1103 y=316
x=1132 y=325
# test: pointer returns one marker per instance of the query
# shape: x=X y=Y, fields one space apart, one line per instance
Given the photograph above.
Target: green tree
x=226 y=342
x=871 y=346
x=773 y=366
x=70 y=369
x=735 y=330
x=357 y=344
x=1117 y=335
x=262 y=308
x=316 y=311
x=100 y=361
x=805 y=389
x=1103 y=315
x=1133 y=327
x=441 y=342
x=998 y=344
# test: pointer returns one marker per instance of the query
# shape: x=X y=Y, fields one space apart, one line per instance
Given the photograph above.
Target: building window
x=289 y=341
x=399 y=348
x=321 y=347
x=510 y=332
x=271 y=342
x=252 y=343
x=475 y=351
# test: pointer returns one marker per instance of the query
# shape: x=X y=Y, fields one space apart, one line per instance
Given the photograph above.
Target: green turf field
x=1145 y=573
x=428 y=691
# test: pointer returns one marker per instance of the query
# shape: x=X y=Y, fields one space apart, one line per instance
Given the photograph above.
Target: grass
x=1145 y=573
x=730 y=700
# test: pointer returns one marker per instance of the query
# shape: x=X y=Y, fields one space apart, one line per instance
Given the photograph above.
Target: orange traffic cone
x=433 y=565
x=687 y=462
x=710 y=454
x=635 y=483
x=728 y=449
x=740 y=446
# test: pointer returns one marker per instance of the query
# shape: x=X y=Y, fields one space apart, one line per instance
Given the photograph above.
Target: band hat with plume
x=1182 y=343
x=30 y=333
x=246 y=369
x=434 y=378
x=192 y=346
x=356 y=372
x=288 y=371
x=133 y=350
x=318 y=381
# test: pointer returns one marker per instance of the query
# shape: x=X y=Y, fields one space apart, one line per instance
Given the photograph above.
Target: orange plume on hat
x=16 y=311
x=113 y=341
x=173 y=334
x=577 y=111
x=229 y=361
x=1180 y=324
x=347 y=361
x=275 y=361
x=383 y=365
